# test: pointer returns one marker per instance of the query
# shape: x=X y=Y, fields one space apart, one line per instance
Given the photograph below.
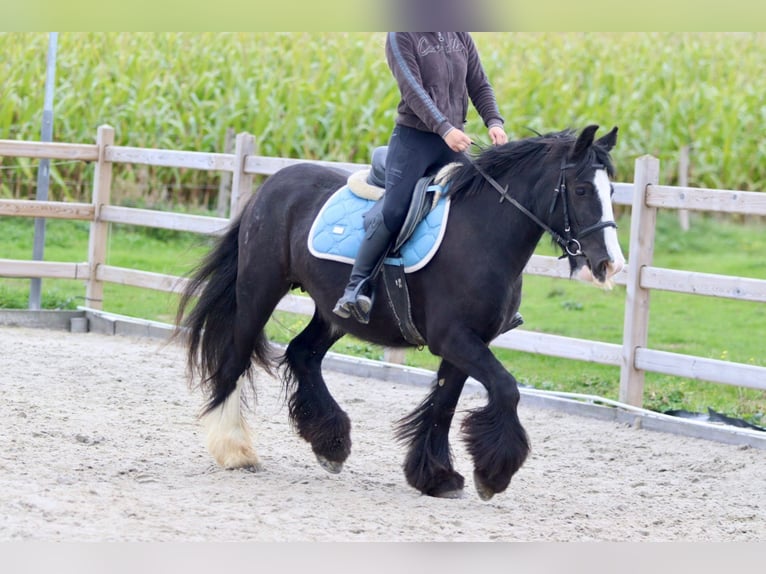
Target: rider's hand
x=457 y=140
x=497 y=135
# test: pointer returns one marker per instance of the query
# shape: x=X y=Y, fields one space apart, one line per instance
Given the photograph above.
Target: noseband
x=570 y=242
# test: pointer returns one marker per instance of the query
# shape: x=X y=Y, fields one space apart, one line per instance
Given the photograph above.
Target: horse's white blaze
x=601 y=181
x=228 y=435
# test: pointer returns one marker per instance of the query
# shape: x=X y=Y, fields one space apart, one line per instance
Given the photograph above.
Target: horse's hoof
x=245 y=460
x=330 y=466
x=452 y=494
x=484 y=491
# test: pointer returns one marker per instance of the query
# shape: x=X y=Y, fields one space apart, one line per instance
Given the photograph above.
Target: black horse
x=502 y=202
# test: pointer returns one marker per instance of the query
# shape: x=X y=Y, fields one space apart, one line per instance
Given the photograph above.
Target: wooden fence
x=644 y=196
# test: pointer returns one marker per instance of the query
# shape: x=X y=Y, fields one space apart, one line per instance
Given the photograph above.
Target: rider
x=436 y=73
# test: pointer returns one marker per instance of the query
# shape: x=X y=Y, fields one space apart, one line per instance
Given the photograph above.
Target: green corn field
x=331 y=96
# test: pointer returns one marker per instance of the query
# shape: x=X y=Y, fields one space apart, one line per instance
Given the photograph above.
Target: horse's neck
x=503 y=224
x=536 y=195
x=526 y=243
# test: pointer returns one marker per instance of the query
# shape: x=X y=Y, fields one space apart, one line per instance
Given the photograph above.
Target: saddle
x=341 y=223
x=370 y=184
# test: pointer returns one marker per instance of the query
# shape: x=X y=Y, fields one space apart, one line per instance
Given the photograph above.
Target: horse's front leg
x=428 y=465
x=313 y=411
x=493 y=434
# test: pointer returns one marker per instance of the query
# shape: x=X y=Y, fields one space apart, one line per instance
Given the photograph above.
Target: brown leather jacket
x=437 y=73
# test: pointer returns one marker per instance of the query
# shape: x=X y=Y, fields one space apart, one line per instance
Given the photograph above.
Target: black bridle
x=570 y=242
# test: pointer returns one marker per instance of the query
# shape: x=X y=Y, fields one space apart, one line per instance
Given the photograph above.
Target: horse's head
x=561 y=183
x=583 y=202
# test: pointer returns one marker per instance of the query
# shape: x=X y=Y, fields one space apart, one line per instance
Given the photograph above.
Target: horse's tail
x=207 y=329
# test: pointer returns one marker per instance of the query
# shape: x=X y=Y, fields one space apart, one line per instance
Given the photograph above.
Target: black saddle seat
x=377 y=175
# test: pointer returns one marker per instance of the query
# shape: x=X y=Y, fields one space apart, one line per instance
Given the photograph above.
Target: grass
x=161 y=251
x=694 y=325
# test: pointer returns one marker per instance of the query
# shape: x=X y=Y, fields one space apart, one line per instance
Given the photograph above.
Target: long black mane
x=528 y=155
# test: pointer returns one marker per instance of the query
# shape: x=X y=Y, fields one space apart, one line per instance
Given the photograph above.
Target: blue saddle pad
x=338 y=231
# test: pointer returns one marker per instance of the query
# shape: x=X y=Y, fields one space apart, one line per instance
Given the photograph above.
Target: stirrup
x=354 y=303
x=343 y=310
x=358 y=308
x=517 y=321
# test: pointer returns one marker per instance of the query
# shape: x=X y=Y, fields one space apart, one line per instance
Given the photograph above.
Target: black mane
x=539 y=152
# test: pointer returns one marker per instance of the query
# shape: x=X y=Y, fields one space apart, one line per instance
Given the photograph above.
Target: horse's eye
x=581 y=189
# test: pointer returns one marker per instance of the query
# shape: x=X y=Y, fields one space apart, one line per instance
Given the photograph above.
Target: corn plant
x=331 y=96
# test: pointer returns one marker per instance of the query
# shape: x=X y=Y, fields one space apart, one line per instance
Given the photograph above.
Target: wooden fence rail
x=645 y=195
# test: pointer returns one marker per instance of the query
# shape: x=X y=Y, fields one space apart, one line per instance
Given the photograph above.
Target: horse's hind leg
x=317 y=417
x=236 y=344
x=428 y=465
x=229 y=440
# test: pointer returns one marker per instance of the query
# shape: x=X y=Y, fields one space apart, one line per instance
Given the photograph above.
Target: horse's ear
x=584 y=141
x=609 y=140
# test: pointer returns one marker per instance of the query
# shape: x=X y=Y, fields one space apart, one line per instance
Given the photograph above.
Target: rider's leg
x=374 y=246
x=411 y=154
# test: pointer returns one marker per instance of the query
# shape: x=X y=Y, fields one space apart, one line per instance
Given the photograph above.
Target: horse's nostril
x=602 y=269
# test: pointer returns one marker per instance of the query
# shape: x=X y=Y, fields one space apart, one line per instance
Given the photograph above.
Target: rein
x=569 y=243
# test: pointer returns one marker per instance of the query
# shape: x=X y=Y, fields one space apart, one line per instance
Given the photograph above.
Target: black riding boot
x=374 y=246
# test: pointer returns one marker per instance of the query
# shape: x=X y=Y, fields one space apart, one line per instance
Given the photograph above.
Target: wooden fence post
x=683 y=181
x=641 y=252
x=99 y=230
x=224 y=188
x=242 y=183
x=394 y=355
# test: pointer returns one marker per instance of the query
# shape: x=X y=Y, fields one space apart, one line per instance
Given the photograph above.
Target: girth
x=394 y=278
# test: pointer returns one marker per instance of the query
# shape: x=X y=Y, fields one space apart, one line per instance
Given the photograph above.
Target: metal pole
x=43 y=172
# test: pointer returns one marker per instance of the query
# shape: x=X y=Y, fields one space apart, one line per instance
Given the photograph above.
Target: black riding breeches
x=412 y=154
